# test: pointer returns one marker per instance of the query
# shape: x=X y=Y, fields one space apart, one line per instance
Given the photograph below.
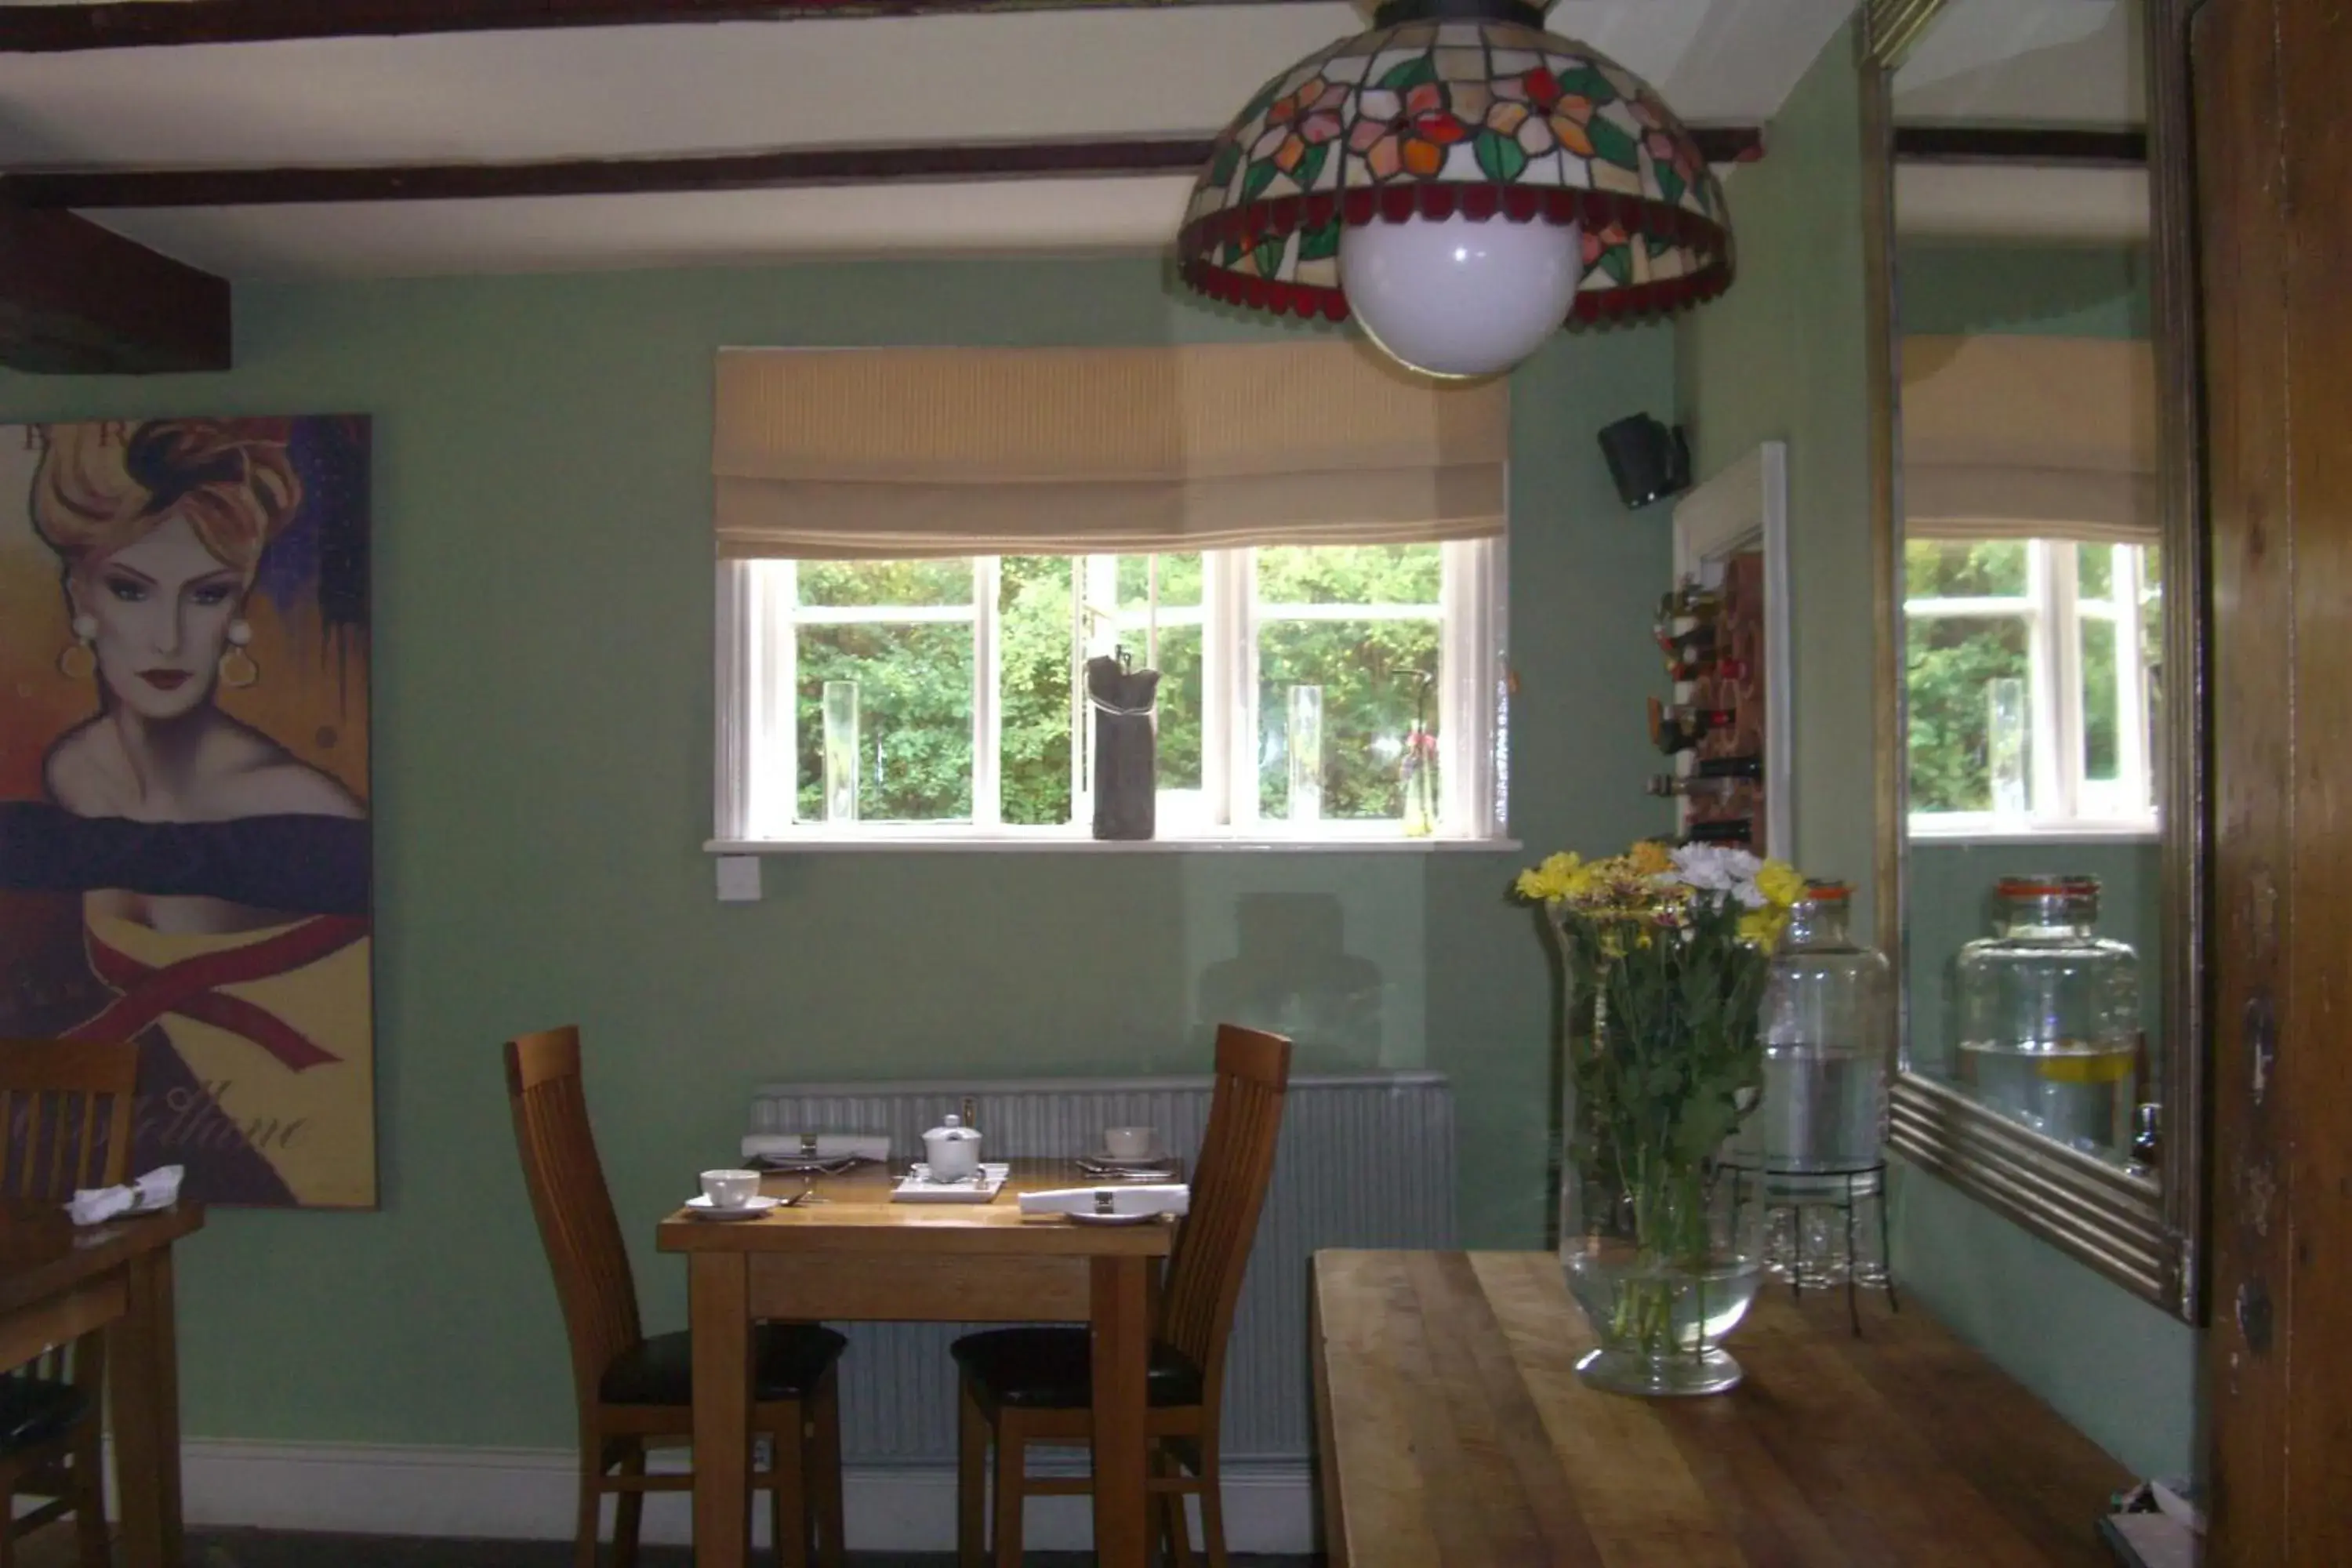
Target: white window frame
x=758 y=618
x=2065 y=801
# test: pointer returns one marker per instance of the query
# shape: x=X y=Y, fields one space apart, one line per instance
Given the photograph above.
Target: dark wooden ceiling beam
x=2020 y=144
x=149 y=24
x=782 y=169
x=76 y=299
x=99 y=189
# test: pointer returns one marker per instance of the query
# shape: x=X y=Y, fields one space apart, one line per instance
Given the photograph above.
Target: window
x=2031 y=675
x=971 y=721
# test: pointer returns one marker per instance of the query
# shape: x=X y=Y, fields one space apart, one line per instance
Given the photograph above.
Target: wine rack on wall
x=1725 y=626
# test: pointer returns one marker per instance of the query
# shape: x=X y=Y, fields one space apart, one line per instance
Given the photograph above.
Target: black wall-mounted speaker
x=1648 y=461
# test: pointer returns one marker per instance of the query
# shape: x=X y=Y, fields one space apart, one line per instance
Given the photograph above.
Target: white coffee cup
x=730 y=1189
x=1130 y=1143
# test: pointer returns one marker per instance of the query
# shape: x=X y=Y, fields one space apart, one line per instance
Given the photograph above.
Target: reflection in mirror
x=2032 y=622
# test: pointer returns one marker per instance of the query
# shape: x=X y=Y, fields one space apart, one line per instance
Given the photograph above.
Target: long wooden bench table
x=1455 y=1433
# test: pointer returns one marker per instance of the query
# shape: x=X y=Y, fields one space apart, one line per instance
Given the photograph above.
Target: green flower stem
x=1663 y=1061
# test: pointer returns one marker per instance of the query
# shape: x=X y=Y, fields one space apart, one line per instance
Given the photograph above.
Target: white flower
x=1749 y=895
x=1716 y=868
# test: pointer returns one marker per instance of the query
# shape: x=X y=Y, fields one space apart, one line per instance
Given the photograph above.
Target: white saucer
x=1091 y=1218
x=1158 y=1155
x=703 y=1208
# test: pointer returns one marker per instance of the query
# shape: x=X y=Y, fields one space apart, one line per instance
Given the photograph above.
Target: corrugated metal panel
x=1365 y=1161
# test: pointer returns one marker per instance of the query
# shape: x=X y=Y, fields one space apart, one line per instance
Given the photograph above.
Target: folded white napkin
x=158 y=1189
x=1128 y=1197
x=819 y=1146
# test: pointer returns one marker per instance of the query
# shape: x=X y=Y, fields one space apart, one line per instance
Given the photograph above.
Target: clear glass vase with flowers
x=1663 y=958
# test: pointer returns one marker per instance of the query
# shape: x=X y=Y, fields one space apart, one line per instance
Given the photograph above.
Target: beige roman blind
x=892 y=452
x=2030 y=437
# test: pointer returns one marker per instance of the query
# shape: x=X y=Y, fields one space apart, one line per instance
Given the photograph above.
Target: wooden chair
x=636 y=1392
x=1035 y=1385
x=65 y=1123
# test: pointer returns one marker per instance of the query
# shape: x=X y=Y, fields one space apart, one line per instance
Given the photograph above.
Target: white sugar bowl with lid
x=952 y=1151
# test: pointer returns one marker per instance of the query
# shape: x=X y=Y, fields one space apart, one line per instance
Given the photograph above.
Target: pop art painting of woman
x=184 y=850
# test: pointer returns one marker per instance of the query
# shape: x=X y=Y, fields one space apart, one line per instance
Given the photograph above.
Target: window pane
x=1180 y=707
x=1351 y=575
x=1180 y=618
x=2099 y=762
x=914 y=688
x=1180 y=582
x=2094 y=571
x=837 y=584
x=1034 y=646
x=1951 y=662
x=1370 y=673
x=1960 y=569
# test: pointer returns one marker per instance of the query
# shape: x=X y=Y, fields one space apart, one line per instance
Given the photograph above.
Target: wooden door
x=2274 y=212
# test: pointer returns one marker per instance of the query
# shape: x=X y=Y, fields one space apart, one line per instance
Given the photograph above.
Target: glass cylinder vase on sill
x=839 y=715
x=1664 y=960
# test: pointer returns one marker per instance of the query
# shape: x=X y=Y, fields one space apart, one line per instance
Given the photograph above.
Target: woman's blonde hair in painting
x=101 y=488
x=98 y=489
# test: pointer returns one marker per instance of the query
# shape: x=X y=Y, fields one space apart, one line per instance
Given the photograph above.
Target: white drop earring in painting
x=238 y=669
x=79 y=660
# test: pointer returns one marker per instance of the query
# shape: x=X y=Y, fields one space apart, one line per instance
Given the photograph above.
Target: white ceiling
x=2077 y=63
x=2074 y=63
x=712 y=88
x=544 y=234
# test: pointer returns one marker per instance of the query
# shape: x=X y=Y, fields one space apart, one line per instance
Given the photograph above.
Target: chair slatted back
x=576 y=1222
x=1229 y=1183
x=65 y=1123
x=64 y=1115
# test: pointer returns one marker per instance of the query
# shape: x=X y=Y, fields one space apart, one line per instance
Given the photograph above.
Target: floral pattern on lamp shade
x=1489 y=119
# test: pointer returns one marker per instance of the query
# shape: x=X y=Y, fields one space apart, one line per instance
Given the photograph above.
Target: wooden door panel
x=2274 y=156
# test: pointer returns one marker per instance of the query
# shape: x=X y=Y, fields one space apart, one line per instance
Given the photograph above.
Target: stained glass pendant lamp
x=1462 y=184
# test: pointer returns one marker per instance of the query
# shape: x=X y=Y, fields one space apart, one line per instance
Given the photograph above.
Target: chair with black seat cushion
x=65 y=1123
x=1035 y=1385
x=637 y=1391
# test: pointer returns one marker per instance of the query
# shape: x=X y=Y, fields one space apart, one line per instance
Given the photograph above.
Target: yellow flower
x=1762 y=926
x=1560 y=877
x=1782 y=883
x=1651 y=858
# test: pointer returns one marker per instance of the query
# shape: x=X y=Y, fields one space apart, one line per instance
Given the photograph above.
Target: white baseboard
x=530 y=1494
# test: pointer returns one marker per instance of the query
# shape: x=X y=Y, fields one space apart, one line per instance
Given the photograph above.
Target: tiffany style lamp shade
x=1463 y=183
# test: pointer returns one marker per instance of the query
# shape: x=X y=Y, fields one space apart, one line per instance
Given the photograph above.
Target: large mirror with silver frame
x=2041 y=807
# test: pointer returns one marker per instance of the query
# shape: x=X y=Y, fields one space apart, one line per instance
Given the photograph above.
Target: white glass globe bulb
x=1451 y=297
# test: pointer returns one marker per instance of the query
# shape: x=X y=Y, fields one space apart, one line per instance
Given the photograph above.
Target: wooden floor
x=53 y=1548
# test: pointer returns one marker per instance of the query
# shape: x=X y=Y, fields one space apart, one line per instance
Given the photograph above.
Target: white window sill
x=1934 y=830
x=1045 y=841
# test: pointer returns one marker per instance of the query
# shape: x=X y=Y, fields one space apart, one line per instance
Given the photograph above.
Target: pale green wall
x=1947 y=288
x=1783 y=358
x=2117 y=1368
x=543 y=741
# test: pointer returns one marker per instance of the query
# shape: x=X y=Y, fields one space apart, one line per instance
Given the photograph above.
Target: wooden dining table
x=855 y=1255
x=1455 y=1433
x=58 y=1282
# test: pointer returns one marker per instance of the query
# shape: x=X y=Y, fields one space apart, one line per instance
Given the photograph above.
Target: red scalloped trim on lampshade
x=1280 y=216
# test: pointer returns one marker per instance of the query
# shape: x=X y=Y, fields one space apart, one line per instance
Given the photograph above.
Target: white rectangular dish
x=917 y=1186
